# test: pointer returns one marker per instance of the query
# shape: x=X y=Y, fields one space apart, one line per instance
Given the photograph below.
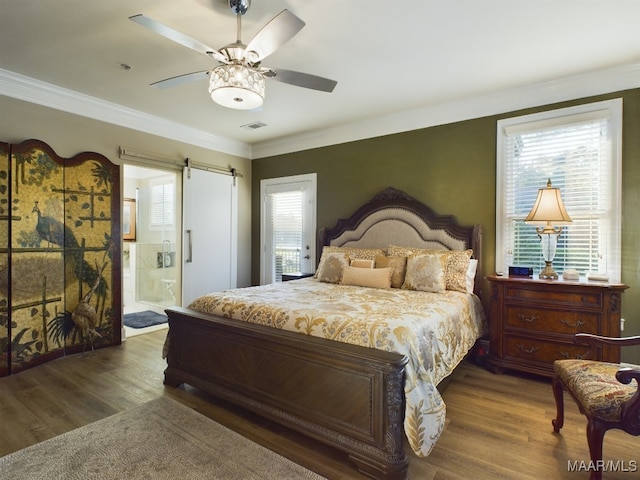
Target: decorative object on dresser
x=532 y=322
x=604 y=393
x=550 y=214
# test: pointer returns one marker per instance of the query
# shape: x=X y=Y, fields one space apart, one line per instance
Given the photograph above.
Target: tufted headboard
x=393 y=217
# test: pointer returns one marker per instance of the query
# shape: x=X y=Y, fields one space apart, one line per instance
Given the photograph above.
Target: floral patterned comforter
x=434 y=331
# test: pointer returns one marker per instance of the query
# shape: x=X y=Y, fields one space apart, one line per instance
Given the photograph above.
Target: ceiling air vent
x=253 y=126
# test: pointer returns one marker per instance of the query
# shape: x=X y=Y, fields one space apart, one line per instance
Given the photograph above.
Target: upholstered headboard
x=393 y=217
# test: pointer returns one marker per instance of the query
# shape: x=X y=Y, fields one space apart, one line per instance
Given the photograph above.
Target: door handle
x=190 y=247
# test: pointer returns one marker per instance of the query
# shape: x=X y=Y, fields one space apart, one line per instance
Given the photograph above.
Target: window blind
x=285 y=210
x=161 y=204
x=576 y=153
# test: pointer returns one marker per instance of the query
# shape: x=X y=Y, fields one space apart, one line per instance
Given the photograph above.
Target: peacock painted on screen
x=84 y=317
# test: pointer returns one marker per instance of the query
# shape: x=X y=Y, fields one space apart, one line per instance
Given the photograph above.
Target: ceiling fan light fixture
x=237 y=86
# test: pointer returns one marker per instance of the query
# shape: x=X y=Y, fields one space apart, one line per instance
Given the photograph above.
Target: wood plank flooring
x=498 y=427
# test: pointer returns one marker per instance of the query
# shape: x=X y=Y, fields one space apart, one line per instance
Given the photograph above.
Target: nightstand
x=295 y=276
x=532 y=321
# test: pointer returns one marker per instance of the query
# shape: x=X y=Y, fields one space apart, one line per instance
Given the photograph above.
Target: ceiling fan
x=239 y=80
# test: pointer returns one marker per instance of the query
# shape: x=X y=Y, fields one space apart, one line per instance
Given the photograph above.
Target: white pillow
x=471 y=274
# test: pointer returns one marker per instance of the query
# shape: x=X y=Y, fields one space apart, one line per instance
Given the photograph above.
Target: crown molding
x=592 y=83
x=597 y=82
x=35 y=91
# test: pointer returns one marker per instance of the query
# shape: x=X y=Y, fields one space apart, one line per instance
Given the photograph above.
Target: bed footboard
x=343 y=395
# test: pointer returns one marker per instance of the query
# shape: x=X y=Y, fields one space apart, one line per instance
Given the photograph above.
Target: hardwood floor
x=498 y=427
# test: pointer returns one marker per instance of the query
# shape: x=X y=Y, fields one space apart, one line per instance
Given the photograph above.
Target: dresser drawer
x=561 y=297
x=549 y=320
x=540 y=351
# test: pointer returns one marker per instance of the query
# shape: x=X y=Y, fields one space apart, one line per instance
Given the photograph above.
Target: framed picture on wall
x=129 y=219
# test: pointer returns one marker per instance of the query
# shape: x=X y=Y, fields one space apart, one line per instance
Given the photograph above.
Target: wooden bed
x=355 y=399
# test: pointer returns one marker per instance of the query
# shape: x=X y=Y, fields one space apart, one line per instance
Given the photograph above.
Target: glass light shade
x=236 y=86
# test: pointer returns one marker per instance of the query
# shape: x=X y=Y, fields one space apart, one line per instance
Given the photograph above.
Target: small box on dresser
x=532 y=321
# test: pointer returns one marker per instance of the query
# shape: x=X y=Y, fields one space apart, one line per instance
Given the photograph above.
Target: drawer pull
x=567 y=355
x=524 y=318
x=529 y=350
x=579 y=323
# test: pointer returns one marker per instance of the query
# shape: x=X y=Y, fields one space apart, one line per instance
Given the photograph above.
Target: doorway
x=151 y=250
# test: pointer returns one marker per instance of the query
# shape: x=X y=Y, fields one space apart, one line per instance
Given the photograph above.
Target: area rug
x=144 y=319
x=159 y=440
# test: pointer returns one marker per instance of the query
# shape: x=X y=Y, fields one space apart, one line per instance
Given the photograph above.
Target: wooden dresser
x=532 y=321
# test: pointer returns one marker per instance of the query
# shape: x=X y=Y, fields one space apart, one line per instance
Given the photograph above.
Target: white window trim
x=614 y=107
x=283 y=181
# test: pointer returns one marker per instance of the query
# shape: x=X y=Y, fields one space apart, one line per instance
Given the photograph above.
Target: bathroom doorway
x=151 y=242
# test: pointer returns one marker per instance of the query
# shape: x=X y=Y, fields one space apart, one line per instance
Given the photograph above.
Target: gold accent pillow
x=399 y=266
x=457 y=263
x=331 y=267
x=362 y=263
x=425 y=273
x=353 y=252
x=367 y=277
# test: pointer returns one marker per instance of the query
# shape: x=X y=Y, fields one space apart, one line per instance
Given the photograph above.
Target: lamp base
x=548 y=272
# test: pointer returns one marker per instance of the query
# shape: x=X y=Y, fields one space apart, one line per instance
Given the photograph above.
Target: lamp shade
x=548 y=208
x=237 y=86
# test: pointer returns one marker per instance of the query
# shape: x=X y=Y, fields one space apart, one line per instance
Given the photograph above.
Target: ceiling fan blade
x=181 y=79
x=300 y=79
x=177 y=37
x=274 y=34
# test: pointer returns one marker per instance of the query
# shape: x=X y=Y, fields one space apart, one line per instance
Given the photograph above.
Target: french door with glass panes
x=288 y=225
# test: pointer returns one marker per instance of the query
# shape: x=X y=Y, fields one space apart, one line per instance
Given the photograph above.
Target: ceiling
x=390 y=58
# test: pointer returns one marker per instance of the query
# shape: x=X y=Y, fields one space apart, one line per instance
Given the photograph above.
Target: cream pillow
x=331 y=267
x=362 y=263
x=352 y=252
x=367 y=277
x=456 y=261
x=399 y=266
x=425 y=273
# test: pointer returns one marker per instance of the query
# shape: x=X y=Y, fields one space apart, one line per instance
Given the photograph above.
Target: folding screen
x=59 y=254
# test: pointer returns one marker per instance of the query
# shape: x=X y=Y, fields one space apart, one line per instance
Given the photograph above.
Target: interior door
x=210 y=224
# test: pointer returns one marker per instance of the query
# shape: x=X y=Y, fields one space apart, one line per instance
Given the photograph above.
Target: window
x=161 y=204
x=287 y=226
x=578 y=149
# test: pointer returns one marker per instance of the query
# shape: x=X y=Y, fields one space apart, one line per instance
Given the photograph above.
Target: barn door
x=210 y=233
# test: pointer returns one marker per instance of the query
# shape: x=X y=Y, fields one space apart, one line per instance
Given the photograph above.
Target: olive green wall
x=451 y=168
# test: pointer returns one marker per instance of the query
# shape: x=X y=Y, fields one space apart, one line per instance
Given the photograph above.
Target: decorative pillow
x=367 y=277
x=352 y=252
x=331 y=267
x=471 y=275
x=425 y=273
x=399 y=266
x=457 y=266
x=457 y=263
x=362 y=263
